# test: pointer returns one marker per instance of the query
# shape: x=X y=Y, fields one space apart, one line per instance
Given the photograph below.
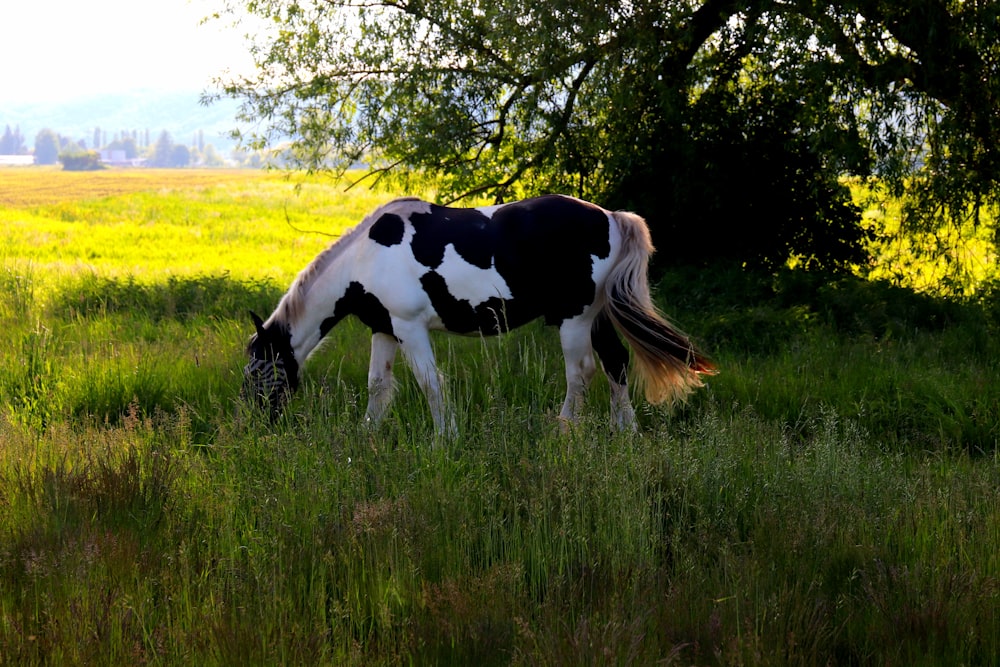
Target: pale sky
x=59 y=49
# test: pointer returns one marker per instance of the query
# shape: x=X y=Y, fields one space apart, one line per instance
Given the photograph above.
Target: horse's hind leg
x=574 y=335
x=380 y=386
x=614 y=359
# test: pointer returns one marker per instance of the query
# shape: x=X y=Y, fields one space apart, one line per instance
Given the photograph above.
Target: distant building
x=16 y=160
x=116 y=158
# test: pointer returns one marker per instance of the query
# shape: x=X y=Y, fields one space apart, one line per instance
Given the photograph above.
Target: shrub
x=85 y=161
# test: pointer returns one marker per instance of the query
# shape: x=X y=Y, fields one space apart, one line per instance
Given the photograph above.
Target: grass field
x=830 y=498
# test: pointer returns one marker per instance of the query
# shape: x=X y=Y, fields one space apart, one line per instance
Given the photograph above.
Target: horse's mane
x=292 y=303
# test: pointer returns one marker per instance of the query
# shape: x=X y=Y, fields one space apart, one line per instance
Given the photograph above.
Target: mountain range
x=179 y=113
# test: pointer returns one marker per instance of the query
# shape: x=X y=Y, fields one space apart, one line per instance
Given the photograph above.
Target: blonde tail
x=667 y=364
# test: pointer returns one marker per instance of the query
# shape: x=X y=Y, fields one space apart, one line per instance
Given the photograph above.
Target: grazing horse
x=411 y=267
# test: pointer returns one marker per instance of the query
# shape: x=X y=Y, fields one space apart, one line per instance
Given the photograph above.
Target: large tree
x=46 y=147
x=727 y=123
x=162 y=154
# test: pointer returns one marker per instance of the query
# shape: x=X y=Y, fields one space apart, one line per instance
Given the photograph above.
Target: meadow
x=830 y=498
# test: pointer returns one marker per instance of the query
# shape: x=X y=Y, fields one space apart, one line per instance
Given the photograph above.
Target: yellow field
x=150 y=223
x=41 y=186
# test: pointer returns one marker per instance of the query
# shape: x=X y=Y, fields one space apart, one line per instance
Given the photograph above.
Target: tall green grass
x=829 y=498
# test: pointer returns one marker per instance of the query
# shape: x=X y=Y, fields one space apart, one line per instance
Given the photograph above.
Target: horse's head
x=272 y=372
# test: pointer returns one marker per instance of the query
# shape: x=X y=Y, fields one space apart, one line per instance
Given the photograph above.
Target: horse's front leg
x=416 y=344
x=380 y=384
x=574 y=335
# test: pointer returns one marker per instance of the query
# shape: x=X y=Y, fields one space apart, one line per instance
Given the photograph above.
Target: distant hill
x=179 y=113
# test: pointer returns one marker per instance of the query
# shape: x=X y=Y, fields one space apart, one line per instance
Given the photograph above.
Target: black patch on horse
x=458 y=315
x=544 y=248
x=363 y=304
x=468 y=230
x=387 y=230
x=610 y=349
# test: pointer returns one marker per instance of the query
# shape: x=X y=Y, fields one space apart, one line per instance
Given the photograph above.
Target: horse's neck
x=313 y=303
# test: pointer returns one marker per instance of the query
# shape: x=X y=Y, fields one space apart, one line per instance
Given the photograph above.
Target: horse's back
x=493 y=268
x=551 y=251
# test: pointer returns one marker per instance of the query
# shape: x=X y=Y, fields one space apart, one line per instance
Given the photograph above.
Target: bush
x=85 y=161
x=732 y=183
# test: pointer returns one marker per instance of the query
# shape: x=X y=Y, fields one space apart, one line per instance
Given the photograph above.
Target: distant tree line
x=50 y=148
x=12 y=142
x=134 y=146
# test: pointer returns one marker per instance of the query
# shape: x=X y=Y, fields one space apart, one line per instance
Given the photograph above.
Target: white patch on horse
x=390 y=274
x=488 y=211
x=599 y=268
x=470 y=283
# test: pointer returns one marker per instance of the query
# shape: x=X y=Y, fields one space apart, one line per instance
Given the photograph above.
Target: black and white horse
x=411 y=267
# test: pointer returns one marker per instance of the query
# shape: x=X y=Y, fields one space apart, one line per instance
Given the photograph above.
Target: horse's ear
x=257 y=322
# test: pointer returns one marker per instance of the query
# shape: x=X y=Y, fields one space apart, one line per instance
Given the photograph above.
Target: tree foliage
x=727 y=123
x=12 y=142
x=46 y=147
x=166 y=153
x=126 y=144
